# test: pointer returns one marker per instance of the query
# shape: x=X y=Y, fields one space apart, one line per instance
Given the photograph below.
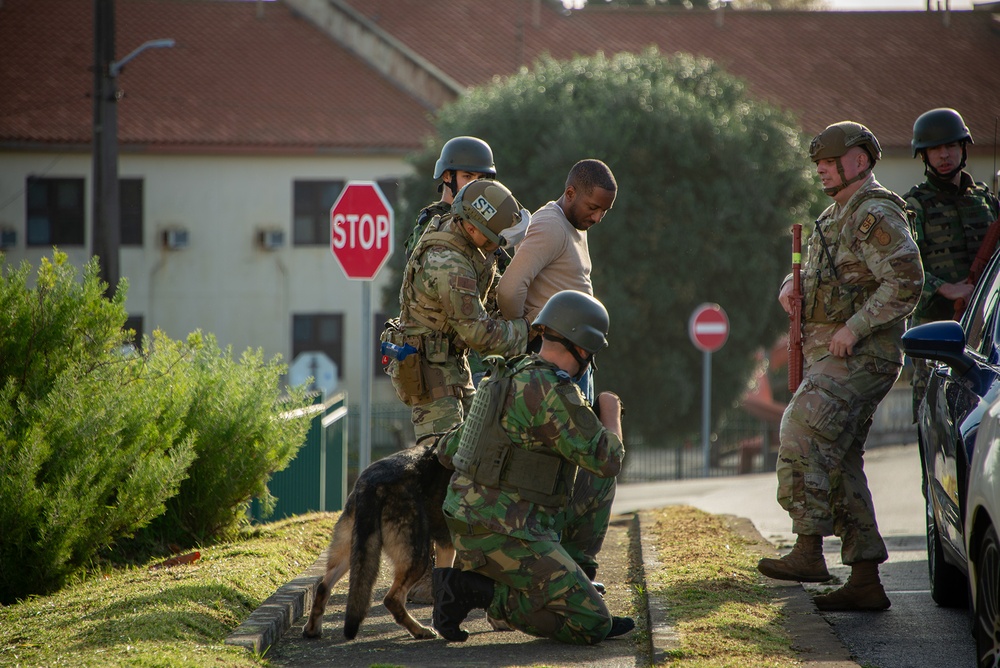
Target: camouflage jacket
x=949 y=223
x=544 y=411
x=445 y=283
x=425 y=216
x=867 y=275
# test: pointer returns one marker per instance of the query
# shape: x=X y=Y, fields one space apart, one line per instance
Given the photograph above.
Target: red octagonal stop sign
x=708 y=327
x=361 y=230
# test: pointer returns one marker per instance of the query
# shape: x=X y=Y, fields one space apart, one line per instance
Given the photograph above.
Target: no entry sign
x=361 y=230
x=708 y=327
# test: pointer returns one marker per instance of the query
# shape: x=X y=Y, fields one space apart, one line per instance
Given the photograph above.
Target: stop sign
x=708 y=327
x=361 y=230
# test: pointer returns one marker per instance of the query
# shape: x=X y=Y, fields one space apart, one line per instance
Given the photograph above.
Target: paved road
x=915 y=632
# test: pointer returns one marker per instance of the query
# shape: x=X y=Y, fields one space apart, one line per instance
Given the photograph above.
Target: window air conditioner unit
x=271 y=239
x=175 y=239
x=8 y=238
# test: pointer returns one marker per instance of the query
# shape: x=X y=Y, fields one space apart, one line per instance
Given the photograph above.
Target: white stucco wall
x=223 y=282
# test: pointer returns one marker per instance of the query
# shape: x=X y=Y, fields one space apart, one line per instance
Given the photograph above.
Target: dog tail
x=366 y=555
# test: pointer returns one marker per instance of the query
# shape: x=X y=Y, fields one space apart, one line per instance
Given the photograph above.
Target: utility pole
x=106 y=217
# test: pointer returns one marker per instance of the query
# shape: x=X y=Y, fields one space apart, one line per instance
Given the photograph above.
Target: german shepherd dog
x=395 y=507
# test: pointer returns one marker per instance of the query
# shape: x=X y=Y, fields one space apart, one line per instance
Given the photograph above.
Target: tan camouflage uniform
x=445 y=283
x=877 y=282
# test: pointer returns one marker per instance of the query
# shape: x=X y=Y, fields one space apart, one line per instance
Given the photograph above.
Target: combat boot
x=456 y=594
x=862 y=591
x=805 y=563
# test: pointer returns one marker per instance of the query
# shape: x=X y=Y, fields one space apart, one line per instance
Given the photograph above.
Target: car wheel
x=987 y=613
x=949 y=586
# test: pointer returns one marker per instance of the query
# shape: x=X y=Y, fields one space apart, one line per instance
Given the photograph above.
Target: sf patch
x=867 y=224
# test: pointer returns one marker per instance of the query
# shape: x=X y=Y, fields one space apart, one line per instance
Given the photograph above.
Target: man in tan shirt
x=554 y=255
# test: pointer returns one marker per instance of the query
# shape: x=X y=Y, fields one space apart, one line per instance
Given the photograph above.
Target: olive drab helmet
x=577 y=317
x=489 y=205
x=836 y=140
x=465 y=154
x=935 y=128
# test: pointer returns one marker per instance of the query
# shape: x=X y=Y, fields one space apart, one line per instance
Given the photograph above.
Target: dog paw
x=423 y=633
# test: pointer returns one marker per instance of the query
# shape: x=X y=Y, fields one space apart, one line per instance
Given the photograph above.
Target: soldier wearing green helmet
x=950 y=214
x=525 y=526
x=861 y=279
x=462 y=159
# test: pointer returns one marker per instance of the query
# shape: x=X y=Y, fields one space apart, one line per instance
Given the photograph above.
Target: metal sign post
x=708 y=329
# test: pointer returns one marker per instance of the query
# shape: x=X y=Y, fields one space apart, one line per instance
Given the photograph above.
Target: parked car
x=982 y=543
x=963 y=384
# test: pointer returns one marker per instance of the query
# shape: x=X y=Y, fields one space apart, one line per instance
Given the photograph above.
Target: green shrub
x=90 y=439
x=99 y=443
x=239 y=434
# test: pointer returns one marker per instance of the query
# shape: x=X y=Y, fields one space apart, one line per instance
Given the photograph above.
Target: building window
x=322 y=332
x=55 y=213
x=311 y=216
x=130 y=203
x=134 y=323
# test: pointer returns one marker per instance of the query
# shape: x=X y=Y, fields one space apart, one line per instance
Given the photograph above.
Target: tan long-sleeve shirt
x=553 y=256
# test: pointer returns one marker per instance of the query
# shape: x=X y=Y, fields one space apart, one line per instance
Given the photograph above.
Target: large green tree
x=709 y=182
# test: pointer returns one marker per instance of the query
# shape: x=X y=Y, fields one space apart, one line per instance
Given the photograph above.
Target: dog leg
x=395 y=602
x=336 y=566
x=444 y=555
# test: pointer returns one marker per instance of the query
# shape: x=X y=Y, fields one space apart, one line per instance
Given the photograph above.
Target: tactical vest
x=415 y=307
x=952 y=228
x=828 y=299
x=487 y=455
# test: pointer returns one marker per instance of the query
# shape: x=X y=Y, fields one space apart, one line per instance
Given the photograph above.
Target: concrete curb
x=265 y=625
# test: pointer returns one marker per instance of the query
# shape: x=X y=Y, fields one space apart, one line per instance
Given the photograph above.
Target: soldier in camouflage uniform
x=442 y=310
x=950 y=215
x=512 y=497
x=862 y=278
x=462 y=159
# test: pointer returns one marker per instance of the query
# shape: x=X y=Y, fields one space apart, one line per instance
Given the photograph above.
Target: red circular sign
x=708 y=327
x=361 y=230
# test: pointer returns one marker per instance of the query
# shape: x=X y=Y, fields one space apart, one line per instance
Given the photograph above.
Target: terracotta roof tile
x=880 y=68
x=233 y=80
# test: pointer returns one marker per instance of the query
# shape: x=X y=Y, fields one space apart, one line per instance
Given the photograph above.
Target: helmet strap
x=453 y=184
x=930 y=171
x=844 y=181
x=583 y=362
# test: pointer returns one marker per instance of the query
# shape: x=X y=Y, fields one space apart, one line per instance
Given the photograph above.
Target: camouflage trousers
x=541 y=586
x=821 y=478
x=438 y=416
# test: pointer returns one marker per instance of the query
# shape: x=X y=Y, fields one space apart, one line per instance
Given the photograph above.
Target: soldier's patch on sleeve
x=882 y=237
x=463 y=284
x=870 y=221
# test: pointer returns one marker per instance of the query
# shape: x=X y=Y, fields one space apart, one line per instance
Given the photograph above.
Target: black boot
x=620 y=626
x=456 y=594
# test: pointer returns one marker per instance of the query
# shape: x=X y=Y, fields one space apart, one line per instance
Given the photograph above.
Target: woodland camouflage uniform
x=872 y=285
x=542 y=584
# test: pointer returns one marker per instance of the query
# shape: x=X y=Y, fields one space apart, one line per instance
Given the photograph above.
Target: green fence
x=316 y=480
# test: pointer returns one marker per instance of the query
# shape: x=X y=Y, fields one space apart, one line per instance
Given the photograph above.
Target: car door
x=955 y=406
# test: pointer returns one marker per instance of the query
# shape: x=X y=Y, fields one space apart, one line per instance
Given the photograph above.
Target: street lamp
x=106 y=222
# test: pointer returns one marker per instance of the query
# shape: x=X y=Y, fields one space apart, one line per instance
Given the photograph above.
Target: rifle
x=979 y=263
x=795 y=316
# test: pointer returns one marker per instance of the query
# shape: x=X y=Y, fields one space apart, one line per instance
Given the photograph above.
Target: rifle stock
x=986 y=251
x=795 y=316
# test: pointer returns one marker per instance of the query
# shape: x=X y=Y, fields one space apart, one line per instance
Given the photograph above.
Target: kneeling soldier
x=534 y=463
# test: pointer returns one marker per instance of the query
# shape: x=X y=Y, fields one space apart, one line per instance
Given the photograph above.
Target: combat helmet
x=836 y=140
x=939 y=126
x=577 y=317
x=489 y=205
x=468 y=154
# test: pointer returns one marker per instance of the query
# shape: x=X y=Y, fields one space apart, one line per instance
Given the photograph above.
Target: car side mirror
x=942 y=341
